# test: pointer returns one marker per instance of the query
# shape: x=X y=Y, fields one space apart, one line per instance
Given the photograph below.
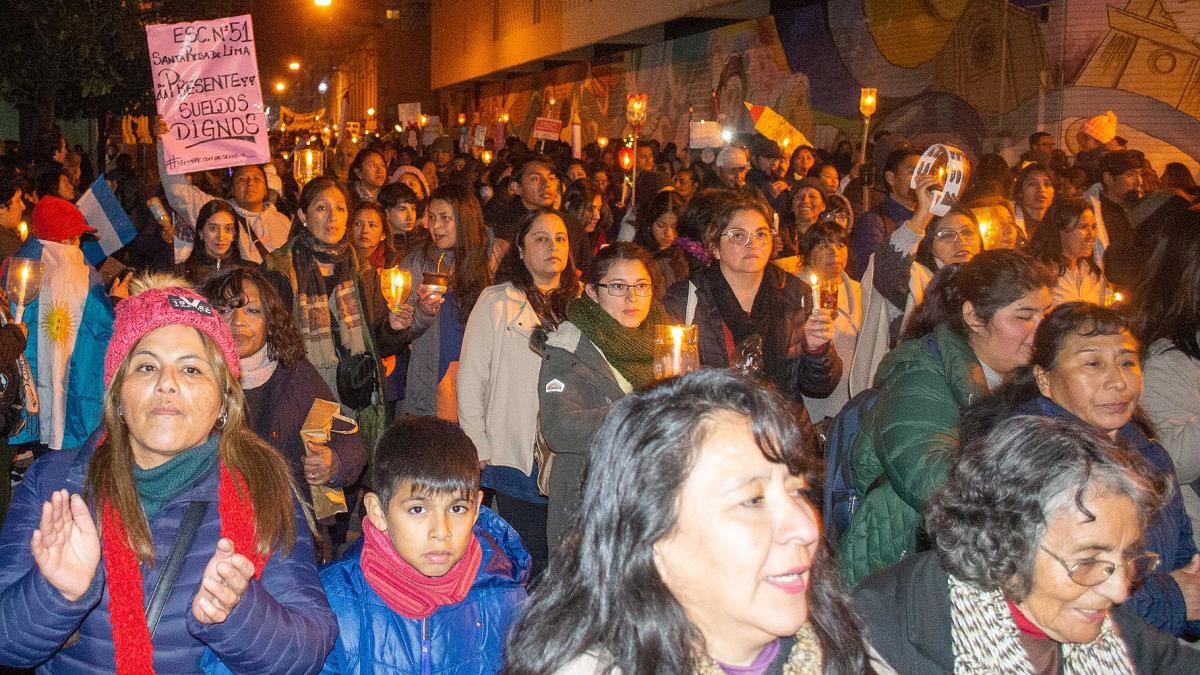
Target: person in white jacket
x=498 y=370
x=266 y=229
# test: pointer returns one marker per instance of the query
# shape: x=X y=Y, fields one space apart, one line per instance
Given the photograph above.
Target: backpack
x=840 y=497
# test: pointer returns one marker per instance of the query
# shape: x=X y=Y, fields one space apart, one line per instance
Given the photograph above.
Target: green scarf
x=166 y=481
x=629 y=350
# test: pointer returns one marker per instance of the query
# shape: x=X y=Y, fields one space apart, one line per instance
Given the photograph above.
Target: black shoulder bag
x=174 y=563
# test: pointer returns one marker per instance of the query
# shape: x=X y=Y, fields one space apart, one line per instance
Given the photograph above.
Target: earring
x=222 y=420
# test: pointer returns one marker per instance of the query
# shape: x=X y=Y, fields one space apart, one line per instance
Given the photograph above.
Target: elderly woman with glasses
x=603 y=351
x=748 y=311
x=1038 y=535
x=1086 y=365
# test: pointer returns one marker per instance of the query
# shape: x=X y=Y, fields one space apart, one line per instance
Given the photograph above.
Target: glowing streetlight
x=370 y=112
x=294 y=66
x=322 y=87
x=280 y=87
x=322 y=3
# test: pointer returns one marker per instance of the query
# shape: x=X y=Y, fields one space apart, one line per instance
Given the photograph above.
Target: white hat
x=732 y=155
x=1103 y=128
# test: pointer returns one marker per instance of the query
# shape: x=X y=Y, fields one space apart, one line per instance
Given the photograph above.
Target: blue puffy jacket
x=461 y=639
x=282 y=624
x=1159 y=601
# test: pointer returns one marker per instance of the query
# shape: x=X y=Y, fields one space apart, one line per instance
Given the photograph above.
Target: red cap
x=56 y=219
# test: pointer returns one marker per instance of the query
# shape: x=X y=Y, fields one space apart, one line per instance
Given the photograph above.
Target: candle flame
x=1117 y=297
x=812 y=279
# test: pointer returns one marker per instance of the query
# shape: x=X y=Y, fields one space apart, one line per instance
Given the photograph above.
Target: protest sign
x=207 y=90
x=547 y=128
x=705 y=135
x=408 y=114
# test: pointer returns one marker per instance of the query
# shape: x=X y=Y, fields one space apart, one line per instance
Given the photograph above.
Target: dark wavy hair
x=1168 y=297
x=990 y=516
x=309 y=194
x=1046 y=243
x=603 y=594
x=700 y=211
x=388 y=244
x=227 y=290
x=990 y=281
x=361 y=158
x=472 y=262
x=729 y=205
x=551 y=308
x=822 y=233
x=1082 y=319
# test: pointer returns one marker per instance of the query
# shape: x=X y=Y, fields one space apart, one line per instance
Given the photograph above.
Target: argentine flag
x=102 y=210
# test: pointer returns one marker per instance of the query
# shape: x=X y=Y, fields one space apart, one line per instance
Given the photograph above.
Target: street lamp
x=280 y=87
x=294 y=66
x=322 y=3
x=370 y=112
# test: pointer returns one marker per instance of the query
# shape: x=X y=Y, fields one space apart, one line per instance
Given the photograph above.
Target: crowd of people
x=252 y=458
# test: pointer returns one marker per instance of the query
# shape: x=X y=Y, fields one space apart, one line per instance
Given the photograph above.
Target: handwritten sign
x=408 y=114
x=207 y=89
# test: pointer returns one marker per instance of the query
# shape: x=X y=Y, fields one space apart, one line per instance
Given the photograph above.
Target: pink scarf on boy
x=403 y=588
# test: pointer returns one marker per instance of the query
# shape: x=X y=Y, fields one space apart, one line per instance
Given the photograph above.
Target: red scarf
x=402 y=587
x=126 y=606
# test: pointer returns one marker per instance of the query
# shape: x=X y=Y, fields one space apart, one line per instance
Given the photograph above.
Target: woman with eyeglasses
x=1086 y=366
x=1038 y=536
x=900 y=269
x=754 y=315
x=603 y=351
x=1066 y=241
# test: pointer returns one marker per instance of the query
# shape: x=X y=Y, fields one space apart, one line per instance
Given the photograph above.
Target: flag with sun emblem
x=72 y=318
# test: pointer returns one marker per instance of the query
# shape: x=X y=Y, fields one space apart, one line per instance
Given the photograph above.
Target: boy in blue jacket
x=439 y=578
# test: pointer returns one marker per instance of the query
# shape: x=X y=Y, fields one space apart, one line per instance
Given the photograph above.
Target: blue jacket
x=461 y=639
x=282 y=624
x=871 y=230
x=1159 y=601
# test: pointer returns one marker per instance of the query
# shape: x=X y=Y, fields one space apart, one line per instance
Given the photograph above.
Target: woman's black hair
x=700 y=211
x=819 y=234
x=551 y=308
x=924 y=254
x=394 y=194
x=1082 y=319
x=990 y=281
x=199 y=257
x=1046 y=243
x=226 y=290
x=1167 y=300
x=388 y=244
x=603 y=595
x=359 y=159
x=472 y=270
x=661 y=204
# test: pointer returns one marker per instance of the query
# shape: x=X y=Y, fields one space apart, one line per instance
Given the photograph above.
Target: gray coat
x=576 y=387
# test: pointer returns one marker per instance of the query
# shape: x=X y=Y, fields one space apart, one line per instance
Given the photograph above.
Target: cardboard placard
x=547 y=129
x=207 y=90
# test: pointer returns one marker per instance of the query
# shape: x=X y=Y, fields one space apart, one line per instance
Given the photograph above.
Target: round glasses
x=620 y=290
x=1093 y=572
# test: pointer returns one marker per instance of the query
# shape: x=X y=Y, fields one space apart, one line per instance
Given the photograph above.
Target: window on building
x=393 y=15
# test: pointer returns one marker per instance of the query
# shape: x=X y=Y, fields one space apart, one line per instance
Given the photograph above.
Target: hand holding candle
x=396 y=285
x=676 y=350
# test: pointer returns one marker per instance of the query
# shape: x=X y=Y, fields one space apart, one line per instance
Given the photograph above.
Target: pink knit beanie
x=138 y=315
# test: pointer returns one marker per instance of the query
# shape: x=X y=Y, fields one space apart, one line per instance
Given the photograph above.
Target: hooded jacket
x=466 y=638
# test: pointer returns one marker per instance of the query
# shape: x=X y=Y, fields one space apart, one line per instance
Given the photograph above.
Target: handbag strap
x=166 y=581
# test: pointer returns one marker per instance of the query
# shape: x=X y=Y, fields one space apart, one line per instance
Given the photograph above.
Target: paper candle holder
x=950 y=160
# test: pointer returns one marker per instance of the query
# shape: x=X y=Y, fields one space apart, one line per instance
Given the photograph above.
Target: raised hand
x=226 y=578
x=66 y=546
x=818 y=330
x=401 y=317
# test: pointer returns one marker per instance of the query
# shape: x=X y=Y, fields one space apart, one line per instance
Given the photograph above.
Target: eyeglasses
x=955 y=236
x=620 y=290
x=743 y=238
x=1093 y=572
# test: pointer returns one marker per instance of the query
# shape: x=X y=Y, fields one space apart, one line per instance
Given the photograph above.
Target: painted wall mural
x=978 y=73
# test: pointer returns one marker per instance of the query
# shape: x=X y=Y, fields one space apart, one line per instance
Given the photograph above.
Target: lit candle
x=1117 y=297
x=23 y=229
x=983 y=229
x=812 y=281
x=676 y=350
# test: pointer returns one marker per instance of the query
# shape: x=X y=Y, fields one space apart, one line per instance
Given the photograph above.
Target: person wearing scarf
x=1037 y=534
x=91 y=532
x=439 y=585
x=218 y=234
x=316 y=272
x=603 y=351
x=752 y=315
x=281 y=386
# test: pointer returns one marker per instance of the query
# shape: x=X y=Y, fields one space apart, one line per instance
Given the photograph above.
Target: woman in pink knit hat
x=172 y=540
